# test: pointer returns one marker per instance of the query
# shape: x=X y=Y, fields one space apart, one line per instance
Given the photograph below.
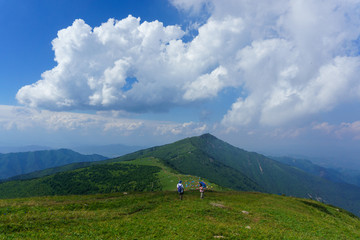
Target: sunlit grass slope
x=142 y=174
x=168 y=177
x=161 y=215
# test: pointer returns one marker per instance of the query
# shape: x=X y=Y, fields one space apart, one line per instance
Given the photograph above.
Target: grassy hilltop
x=159 y=168
x=134 y=197
x=161 y=215
x=143 y=174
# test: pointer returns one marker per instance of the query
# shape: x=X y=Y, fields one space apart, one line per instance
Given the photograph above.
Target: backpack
x=203 y=184
x=180 y=189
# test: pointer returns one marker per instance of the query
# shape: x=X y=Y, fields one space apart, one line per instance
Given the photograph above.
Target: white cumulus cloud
x=292 y=59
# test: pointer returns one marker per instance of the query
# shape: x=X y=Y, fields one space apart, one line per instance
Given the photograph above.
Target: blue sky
x=276 y=77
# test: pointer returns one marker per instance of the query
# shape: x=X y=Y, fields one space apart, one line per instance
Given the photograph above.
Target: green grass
x=161 y=215
x=169 y=178
x=142 y=174
x=100 y=178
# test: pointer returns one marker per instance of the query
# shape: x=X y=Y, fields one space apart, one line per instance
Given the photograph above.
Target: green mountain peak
x=205 y=157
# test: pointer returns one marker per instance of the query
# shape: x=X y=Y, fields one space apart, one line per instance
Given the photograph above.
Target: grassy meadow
x=142 y=174
x=169 y=178
x=161 y=215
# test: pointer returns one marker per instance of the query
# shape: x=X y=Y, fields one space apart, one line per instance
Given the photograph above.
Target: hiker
x=180 y=189
x=202 y=187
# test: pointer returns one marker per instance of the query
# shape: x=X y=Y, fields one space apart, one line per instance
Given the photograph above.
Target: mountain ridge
x=208 y=157
x=110 y=150
x=271 y=175
x=334 y=175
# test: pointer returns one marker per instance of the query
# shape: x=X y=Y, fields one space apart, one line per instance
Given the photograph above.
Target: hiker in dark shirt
x=202 y=189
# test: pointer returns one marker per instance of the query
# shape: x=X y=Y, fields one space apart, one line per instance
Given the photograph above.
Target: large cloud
x=290 y=58
x=96 y=68
x=15 y=119
x=294 y=58
x=132 y=66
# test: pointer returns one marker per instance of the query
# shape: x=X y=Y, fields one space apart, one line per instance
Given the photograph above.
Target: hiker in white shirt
x=180 y=189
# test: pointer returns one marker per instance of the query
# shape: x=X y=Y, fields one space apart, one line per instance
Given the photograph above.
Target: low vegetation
x=161 y=215
x=144 y=174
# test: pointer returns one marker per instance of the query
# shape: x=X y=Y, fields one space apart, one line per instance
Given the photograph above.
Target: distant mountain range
x=110 y=151
x=29 y=148
x=12 y=164
x=205 y=157
x=334 y=175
